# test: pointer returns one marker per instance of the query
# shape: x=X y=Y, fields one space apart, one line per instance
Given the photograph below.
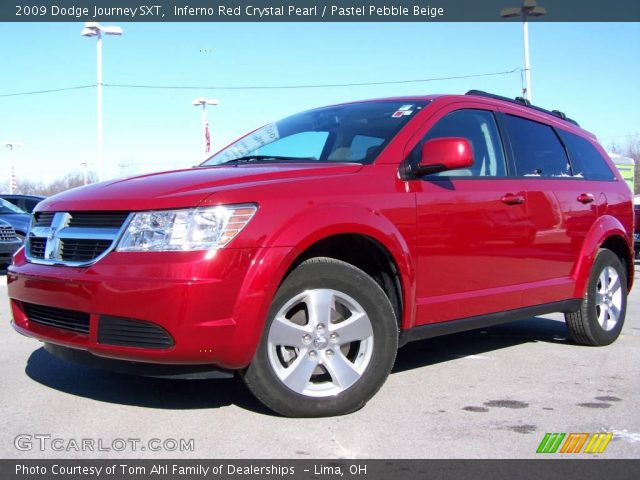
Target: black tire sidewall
x=345 y=278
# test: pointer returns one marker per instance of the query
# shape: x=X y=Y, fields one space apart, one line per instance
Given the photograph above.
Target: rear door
x=562 y=206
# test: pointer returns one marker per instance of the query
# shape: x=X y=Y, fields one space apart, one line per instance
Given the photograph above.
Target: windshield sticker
x=404 y=110
x=261 y=137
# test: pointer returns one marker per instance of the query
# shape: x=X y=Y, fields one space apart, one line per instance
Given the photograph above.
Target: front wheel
x=329 y=343
x=601 y=316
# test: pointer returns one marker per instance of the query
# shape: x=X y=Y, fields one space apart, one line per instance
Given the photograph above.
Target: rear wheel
x=329 y=343
x=601 y=316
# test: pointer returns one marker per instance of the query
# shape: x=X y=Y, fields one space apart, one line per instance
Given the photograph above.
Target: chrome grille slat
x=73 y=238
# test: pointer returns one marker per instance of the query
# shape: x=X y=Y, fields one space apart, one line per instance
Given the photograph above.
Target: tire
x=601 y=316
x=307 y=367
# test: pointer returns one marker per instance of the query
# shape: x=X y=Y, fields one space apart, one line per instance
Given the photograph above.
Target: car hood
x=184 y=188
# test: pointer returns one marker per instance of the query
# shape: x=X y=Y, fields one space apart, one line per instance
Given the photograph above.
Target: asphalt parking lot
x=484 y=394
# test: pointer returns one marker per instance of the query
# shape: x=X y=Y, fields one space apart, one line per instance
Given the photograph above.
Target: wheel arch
x=367 y=254
x=607 y=232
x=317 y=232
x=337 y=230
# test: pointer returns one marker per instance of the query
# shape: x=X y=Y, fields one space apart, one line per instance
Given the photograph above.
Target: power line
x=325 y=85
x=37 y=92
x=263 y=87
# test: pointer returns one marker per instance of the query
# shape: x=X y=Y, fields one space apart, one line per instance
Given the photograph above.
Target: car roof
x=519 y=105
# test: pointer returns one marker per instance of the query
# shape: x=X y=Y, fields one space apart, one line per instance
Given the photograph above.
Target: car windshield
x=8 y=207
x=354 y=132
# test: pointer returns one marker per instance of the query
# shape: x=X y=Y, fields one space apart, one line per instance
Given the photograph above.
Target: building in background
x=627 y=168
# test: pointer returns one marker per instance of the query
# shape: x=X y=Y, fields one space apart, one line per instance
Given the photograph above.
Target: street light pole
x=99 y=125
x=12 y=146
x=94 y=29
x=206 y=139
x=529 y=8
x=527 y=65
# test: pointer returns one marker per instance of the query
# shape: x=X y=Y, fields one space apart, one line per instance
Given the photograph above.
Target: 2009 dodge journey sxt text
x=304 y=254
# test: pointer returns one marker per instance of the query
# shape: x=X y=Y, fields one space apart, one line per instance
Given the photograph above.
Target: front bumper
x=213 y=308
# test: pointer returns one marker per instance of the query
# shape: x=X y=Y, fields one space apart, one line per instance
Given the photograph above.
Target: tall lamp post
x=12 y=176
x=529 y=8
x=94 y=29
x=206 y=139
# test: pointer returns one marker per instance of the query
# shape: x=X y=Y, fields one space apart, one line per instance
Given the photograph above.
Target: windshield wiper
x=268 y=158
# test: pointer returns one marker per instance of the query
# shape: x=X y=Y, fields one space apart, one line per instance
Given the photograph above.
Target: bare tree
x=71 y=180
x=27 y=187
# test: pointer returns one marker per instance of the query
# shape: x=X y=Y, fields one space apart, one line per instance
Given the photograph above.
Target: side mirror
x=441 y=154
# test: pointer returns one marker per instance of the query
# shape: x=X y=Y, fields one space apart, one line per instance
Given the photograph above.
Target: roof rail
x=522 y=101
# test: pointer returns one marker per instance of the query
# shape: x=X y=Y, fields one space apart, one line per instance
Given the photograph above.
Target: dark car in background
x=25 y=202
x=9 y=244
x=16 y=217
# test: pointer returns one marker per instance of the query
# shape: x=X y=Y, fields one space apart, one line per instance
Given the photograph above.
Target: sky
x=590 y=71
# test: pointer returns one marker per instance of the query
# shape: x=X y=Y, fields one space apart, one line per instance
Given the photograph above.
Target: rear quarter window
x=586 y=160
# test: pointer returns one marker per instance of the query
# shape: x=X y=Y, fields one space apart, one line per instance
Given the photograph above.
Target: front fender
x=318 y=222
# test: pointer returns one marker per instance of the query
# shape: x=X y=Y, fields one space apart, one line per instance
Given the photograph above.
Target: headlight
x=188 y=229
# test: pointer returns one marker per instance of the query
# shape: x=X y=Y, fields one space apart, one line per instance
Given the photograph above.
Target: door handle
x=585 y=198
x=511 y=199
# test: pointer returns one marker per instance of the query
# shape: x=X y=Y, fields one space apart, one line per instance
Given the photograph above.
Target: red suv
x=304 y=254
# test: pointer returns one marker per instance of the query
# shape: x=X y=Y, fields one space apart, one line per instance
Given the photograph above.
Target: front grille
x=73 y=238
x=126 y=332
x=42 y=219
x=73 y=250
x=97 y=219
x=7 y=234
x=37 y=246
x=70 y=320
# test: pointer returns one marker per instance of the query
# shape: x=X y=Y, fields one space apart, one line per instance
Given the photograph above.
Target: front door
x=472 y=227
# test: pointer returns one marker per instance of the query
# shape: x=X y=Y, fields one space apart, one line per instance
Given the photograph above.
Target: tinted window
x=585 y=159
x=537 y=149
x=479 y=127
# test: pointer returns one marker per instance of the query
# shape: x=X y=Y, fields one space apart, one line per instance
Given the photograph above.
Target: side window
x=537 y=149
x=585 y=158
x=479 y=127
